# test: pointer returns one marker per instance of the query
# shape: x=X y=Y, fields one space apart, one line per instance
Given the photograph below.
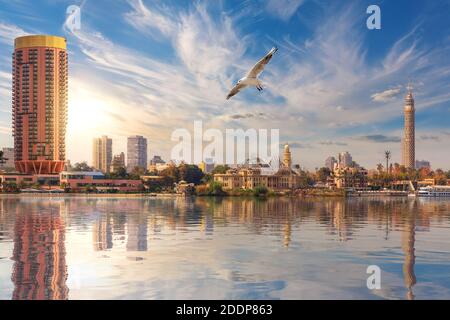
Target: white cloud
x=149 y=20
x=161 y=96
x=386 y=95
x=330 y=71
x=284 y=9
x=9 y=32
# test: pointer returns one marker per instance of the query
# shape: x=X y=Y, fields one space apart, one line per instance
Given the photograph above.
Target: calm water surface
x=232 y=248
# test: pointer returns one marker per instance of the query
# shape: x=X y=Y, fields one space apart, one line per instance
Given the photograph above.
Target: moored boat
x=434 y=191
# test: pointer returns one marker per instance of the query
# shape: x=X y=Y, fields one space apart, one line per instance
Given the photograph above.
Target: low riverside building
x=152 y=179
x=249 y=178
x=255 y=173
x=118 y=162
x=432 y=182
x=22 y=180
x=81 y=181
x=156 y=183
x=157 y=164
x=183 y=187
x=350 y=178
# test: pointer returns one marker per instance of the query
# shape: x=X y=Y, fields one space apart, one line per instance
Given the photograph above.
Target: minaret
x=287 y=160
x=408 y=142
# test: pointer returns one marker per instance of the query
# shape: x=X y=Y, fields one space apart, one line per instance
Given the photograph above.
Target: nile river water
x=230 y=248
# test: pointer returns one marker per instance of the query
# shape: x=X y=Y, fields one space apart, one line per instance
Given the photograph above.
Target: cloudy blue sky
x=149 y=67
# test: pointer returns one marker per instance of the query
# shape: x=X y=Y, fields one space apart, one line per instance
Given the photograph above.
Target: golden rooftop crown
x=40 y=41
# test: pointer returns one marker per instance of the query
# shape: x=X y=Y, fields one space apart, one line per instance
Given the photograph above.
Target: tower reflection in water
x=40 y=270
x=408 y=241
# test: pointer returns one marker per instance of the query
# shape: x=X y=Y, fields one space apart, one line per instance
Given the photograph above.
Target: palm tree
x=387 y=155
x=379 y=167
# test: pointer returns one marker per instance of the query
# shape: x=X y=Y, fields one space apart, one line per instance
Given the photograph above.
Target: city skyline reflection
x=220 y=241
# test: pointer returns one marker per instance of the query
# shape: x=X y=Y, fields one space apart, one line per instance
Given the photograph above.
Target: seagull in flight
x=251 y=79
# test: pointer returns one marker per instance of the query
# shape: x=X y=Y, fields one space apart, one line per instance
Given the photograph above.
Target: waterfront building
x=23 y=180
x=408 y=141
x=184 y=187
x=159 y=167
x=102 y=153
x=118 y=162
x=39 y=103
x=149 y=179
x=82 y=181
x=330 y=163
x=8 y=156
x=136 y=152
x=249 y=178
x=256 y=173
x=157 y=160
x=350 y=178
x=287 y=159
x=426 y=182
x=423 y=164
x=345 y=160
x=157 y=164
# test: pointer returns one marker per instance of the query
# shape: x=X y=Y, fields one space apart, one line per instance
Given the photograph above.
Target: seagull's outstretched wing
x=259 y=66
x=236 y=90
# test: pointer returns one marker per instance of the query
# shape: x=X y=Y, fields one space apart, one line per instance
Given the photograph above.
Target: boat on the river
x=434 y=191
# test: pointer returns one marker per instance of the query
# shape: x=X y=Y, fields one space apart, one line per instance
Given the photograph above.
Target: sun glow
x=87 y=119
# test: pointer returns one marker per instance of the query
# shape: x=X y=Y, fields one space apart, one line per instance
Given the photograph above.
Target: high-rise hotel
x=102 y=153
x=408 y=141
x=136 y=152
x=39 y=103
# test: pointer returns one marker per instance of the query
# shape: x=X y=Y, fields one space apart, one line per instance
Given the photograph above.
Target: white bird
x=251 y=78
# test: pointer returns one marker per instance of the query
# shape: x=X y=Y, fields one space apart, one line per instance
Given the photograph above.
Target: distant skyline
x=150 y=67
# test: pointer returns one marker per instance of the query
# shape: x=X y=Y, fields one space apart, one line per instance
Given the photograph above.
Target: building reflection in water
x=40 y=270
x=287 y=233
x=408 y=241
x=136 y=232
x=342 y=218
x=102 y=233
x=120 y=222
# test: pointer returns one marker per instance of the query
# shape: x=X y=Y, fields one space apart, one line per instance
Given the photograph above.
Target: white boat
x=434 y=191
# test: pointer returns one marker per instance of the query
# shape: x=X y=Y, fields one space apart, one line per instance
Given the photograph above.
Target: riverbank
x=302 y=193
x=231 y=193
x=89 y=195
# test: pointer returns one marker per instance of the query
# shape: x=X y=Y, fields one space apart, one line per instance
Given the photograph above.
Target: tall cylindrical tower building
x=408 y=142
x=39 y=103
